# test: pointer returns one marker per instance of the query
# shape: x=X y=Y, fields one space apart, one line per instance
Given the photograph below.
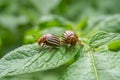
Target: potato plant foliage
x=92 y=64
x=96 y=22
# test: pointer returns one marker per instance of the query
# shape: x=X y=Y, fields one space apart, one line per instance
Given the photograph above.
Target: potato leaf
x=31 y=58
x=102 y=23
x=95 y=66
x=103 y=38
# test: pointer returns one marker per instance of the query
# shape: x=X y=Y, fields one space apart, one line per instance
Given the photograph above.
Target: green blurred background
x=20 y=19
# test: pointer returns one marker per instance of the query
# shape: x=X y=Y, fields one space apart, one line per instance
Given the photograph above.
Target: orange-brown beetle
x=49 y=40
x=70 y=37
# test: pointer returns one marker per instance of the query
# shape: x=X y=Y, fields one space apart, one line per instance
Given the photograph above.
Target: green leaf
x=43 y=6
x=54 y=20
x=102 y=23
x=111 y=24
x=11 y=22
x=54 y=30
x=31 y=58
x=103 y=38
x=95 y=66
x=40 y=75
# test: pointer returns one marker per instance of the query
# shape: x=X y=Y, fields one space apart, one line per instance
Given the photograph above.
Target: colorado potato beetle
x=70 y=37
x=49 y=40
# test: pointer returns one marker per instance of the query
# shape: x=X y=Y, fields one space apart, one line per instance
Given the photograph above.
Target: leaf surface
x=31 y=58
x=103 y=38
x=100 y=64
x=95 y=66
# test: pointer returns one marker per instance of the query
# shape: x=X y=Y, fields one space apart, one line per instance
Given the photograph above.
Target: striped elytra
x=49 y=40
x=70 y=37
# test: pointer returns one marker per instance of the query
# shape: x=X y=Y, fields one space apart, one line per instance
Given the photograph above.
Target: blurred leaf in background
x=48 y=24
x=108 y=23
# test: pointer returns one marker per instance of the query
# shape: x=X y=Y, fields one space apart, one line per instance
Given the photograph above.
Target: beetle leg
x=49 y=48
x=42 y=45
x=63 y=43
x=79 y=42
